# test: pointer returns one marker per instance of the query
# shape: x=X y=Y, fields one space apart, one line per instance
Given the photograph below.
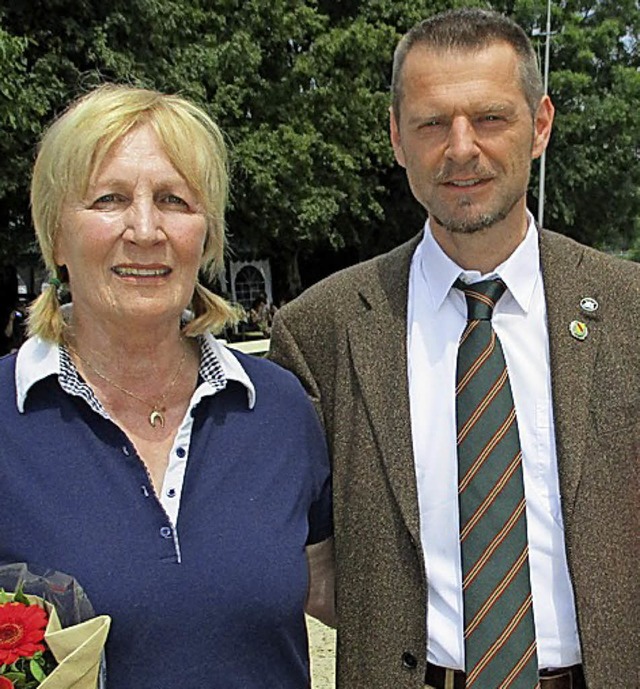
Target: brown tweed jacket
x=346 y=340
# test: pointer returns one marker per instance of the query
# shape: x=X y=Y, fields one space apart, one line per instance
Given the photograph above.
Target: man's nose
x=462 y=144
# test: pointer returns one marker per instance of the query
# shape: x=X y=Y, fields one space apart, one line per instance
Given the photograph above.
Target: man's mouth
x=464 y=182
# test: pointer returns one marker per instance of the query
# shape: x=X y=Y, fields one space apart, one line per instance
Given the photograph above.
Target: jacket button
x=409 y=661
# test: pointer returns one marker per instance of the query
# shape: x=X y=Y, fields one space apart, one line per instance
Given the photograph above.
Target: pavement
x=322 y=644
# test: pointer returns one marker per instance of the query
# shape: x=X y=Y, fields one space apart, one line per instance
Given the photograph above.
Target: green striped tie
x=500 y=647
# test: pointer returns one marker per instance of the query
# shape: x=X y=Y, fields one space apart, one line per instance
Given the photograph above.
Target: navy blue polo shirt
x=214 y=600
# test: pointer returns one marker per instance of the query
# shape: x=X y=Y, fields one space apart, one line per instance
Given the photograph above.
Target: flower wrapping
x=78 y=645
x=77 y=650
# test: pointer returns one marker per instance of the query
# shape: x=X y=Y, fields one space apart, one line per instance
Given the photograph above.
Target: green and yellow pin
x=579 y=330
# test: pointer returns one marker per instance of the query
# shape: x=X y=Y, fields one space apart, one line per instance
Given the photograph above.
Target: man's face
x=467 y=137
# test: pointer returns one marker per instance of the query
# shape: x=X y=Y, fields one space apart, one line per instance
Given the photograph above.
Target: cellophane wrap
x=75 y=635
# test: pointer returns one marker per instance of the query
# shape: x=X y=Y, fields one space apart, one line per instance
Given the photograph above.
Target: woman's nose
x=144 y=222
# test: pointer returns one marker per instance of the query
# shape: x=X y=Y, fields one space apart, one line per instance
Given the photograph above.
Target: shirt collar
x=37 y=359
x=520 y=272
x=230 y=365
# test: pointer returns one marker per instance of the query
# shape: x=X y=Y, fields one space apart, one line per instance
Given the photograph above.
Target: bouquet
x=49 y=638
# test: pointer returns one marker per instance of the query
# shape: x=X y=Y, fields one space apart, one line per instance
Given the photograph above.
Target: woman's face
x=133 y=245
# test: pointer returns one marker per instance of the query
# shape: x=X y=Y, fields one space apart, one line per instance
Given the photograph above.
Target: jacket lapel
x=572 y=360
x=378 y=343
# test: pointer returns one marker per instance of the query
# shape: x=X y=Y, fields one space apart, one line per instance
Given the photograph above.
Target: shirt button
x=145 y=491
x=165 y=532
x=125 y=450
x=171 y=492
x=181 y=452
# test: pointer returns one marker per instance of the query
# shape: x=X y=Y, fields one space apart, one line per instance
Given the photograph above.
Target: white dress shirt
x=437 y=315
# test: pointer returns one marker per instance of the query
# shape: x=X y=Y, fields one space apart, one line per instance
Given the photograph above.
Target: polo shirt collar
x=231 y=367
x=37 y=359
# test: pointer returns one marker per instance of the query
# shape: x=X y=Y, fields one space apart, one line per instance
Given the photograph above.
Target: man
x=378 y=347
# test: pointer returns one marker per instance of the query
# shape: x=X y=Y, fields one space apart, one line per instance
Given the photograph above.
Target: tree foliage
x=594 y=180
x=301 y=89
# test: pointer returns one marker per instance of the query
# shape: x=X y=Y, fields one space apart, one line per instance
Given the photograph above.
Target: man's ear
x=542 y=124
x=394 y=132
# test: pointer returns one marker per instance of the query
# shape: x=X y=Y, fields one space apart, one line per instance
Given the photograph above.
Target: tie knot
x=481 y=297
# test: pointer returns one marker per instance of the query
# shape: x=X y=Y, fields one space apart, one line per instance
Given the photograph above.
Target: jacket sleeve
x=285 y=351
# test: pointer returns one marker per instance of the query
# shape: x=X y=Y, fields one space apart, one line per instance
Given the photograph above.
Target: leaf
x=16 y=676
x=19 y=596
x=37 y=671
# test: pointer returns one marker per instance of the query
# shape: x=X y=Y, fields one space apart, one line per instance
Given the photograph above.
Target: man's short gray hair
x=469 y=29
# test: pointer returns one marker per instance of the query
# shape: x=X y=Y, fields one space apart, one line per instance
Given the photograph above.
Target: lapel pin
x=589 y=304
x=579 y=330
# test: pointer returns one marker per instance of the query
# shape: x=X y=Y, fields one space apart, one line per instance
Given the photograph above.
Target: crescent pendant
x=156 y=417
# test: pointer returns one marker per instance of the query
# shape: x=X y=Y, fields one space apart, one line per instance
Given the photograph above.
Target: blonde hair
x=74 y=147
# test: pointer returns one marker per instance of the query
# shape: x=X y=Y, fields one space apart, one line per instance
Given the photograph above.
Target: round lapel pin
x=589 y=304
x=579 y=330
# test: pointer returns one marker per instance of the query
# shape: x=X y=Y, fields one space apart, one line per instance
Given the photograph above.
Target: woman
x=177 y=481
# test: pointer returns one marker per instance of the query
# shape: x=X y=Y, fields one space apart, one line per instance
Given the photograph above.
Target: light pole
x=543 y=157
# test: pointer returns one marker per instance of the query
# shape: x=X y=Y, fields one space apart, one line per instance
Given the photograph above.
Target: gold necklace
x=157 y=410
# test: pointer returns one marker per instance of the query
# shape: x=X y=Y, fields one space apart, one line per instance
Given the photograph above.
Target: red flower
x=6 y=683
x=21 y=631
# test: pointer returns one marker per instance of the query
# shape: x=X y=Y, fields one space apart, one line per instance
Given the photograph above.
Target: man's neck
x=483 y=250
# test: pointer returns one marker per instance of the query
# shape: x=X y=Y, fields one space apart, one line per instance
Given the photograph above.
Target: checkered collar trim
x=210 y=372
x=38 y=359
x=72 y=384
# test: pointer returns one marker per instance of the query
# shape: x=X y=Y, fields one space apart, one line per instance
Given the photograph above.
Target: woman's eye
x=174 y=200
x=107 y=200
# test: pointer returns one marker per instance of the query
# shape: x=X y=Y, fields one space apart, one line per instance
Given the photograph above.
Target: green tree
x=23 y=104
x=593 y=183
x=301 y=87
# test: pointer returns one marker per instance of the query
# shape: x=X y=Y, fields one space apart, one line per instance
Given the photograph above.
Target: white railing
x=255 y=347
